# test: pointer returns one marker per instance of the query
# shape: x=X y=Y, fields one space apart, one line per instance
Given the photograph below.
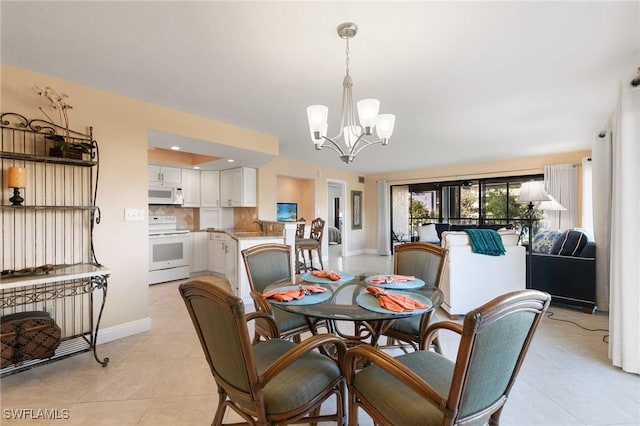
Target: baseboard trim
x=123 y=330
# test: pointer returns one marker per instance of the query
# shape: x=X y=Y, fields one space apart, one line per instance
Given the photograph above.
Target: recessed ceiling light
x=175 y=148
x=230 y=160
x=196 y=167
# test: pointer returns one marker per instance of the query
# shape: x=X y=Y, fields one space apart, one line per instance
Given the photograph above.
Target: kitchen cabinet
x=216 y=252
x=199 y=252
x=209 y=188
x=163 y=175
x=191 y=188
x=210 y=218
x=238 y=187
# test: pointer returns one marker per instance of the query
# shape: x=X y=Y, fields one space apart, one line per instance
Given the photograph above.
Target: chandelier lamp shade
x=353 y=135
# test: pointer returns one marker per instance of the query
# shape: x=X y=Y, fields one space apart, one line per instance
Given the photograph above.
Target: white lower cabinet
x=215 y=254
x=224 y=254
x=199 y=251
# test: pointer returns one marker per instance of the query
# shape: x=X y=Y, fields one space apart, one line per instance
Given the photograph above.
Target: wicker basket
x=26 y=336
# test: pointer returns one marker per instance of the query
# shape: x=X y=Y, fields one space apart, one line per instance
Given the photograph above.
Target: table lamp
x=16 y=179
x=531 y=192
x=547 y=206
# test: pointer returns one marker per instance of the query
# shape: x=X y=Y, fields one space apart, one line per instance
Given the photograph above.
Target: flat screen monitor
x=287 y=212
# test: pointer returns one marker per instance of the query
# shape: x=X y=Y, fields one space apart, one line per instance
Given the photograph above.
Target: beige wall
x=296 y=190
x=120 y=127
x=513 y=167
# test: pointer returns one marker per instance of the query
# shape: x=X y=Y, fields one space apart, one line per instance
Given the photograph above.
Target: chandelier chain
x=347 y=50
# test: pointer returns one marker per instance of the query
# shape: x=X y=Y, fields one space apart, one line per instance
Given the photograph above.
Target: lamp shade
x=16 y=177
x=317 y=116
x=351 y=134
x=368 y=112
x=384 y=127
x=533 y=191
x=550 y=205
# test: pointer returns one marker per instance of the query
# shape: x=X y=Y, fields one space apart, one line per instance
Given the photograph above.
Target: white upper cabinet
x=162 y=175
x=191 y=187
x=210 y=188
x=238 y=187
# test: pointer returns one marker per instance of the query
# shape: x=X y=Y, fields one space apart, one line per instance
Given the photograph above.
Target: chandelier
x=353 y=134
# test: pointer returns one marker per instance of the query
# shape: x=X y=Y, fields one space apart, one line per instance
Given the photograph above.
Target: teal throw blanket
x=486 y=241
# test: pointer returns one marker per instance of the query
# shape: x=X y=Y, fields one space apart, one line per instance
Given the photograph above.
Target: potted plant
x=63 y=145
x=65 y=149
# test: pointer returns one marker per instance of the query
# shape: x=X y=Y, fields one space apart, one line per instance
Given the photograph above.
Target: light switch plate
x=134 y=214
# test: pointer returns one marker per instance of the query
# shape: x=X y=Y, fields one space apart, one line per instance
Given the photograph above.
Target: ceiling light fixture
x=175 y=148
x=353 y=134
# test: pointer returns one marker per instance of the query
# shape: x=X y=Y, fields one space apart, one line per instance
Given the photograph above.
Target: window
x=476 y=201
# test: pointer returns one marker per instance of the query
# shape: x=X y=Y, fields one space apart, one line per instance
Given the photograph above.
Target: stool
x=311 y=244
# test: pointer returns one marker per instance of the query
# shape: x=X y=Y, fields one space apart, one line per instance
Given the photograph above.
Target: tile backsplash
x=188 y=218
x=185 y=217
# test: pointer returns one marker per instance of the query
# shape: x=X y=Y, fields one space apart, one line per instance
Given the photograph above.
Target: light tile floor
x=161 y=377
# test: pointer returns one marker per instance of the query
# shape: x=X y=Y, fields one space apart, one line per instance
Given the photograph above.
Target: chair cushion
x=396 y=401
x=544 y=240
x=570 y=243
x=306 y=242
x=297 y=384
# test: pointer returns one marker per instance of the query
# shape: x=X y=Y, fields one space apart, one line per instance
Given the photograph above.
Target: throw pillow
x=428 y=234
x=570 y=243
x=544 y=240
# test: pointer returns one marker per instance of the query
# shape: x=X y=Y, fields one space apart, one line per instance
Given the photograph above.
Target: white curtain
x=561 y=182
x=587 y=196
x=624 y=313
x=601 y=194
x=384 y=221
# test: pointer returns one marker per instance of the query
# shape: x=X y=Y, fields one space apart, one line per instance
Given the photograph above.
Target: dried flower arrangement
x=62 y=143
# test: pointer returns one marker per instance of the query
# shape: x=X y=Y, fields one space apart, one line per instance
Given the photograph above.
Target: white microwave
x=165 y=195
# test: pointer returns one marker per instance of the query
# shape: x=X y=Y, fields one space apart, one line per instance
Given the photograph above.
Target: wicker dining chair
x=425 y=261
x=425 y=388
x=272 y=382
x=311 y=244
x=268 y=264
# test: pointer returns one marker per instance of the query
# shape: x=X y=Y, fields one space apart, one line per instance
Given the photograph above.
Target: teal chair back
x=423 y=260
x=267 y=264
x=218 y=317
x=495 y=339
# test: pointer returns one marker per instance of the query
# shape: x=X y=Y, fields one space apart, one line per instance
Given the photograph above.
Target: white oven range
x=169 y=250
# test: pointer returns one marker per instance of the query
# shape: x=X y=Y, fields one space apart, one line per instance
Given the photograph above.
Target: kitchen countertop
x=240 y=234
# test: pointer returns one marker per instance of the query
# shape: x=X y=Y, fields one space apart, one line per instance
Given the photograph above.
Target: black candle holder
x=16 y=200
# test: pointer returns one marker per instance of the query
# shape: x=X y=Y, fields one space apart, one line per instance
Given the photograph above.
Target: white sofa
x=470 y=279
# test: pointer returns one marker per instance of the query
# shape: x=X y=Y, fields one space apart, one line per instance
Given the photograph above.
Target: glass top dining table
x=345 y=303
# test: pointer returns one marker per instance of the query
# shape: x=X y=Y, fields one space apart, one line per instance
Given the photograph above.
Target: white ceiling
x=468 y=81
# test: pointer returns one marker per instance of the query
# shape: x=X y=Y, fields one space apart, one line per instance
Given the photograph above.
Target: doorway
x=336 y=215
